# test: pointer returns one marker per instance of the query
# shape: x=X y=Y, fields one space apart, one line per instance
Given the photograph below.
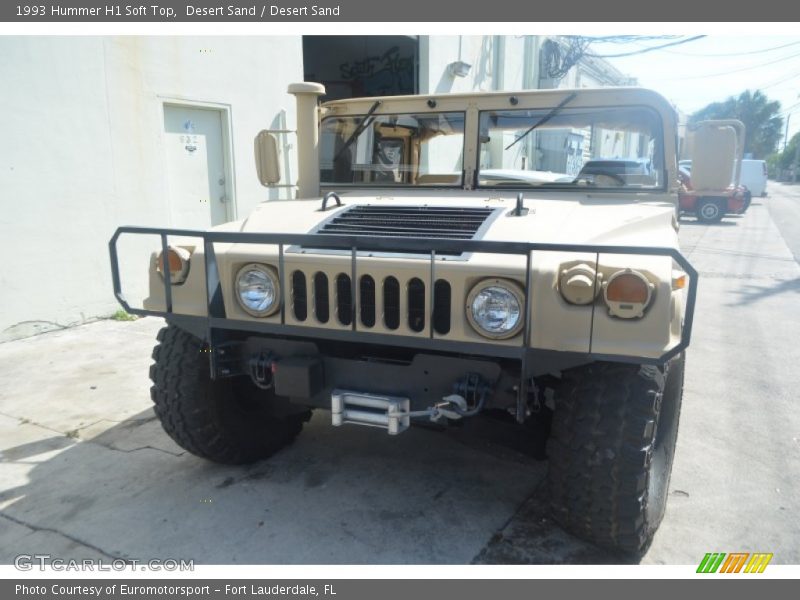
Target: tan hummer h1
x=447 y=256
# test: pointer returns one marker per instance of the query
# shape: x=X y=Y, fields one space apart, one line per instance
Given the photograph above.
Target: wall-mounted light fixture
x=459 y=68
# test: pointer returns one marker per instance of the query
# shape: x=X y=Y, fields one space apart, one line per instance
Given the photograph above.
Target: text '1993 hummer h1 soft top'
x=447 y=256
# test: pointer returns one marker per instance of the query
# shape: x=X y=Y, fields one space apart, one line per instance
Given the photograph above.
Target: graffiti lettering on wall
x=381 y=75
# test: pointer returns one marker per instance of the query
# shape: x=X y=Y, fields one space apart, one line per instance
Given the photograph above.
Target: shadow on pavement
x=533 y=538
x=352 y=496
x=753 y=293
x=694 y=222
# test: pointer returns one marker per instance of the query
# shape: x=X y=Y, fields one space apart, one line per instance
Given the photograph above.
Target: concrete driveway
x=86 y=471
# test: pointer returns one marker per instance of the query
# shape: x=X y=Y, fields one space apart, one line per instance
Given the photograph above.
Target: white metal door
x=195 y=159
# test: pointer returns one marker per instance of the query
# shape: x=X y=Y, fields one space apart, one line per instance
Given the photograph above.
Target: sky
x=711 y=69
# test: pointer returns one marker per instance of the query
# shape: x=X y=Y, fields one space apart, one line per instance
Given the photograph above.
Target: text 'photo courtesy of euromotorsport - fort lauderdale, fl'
x=170 y=590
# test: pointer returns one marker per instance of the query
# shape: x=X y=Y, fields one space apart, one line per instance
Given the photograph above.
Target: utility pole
x=786 y=135
x=796 y=161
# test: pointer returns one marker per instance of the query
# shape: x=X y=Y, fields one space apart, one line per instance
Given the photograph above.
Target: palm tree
x=761 y=118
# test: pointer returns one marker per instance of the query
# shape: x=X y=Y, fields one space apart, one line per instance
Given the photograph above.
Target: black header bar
x=333 y=11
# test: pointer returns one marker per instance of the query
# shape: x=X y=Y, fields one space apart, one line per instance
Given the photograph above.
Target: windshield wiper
x=546 y=118
x=358 y=130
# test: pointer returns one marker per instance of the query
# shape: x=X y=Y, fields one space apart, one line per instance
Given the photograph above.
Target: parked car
x=516 y=176
x=708 y=208
x=711 y=183
x=618 y=171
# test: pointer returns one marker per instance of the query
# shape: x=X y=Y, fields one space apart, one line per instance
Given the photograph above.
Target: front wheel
x=709 y=211
x=611 y=450
x=227 y=421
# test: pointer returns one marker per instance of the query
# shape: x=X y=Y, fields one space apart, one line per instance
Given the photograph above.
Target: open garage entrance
x=360 y=65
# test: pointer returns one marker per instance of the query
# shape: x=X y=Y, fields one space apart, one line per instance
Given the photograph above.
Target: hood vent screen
x=408 y=222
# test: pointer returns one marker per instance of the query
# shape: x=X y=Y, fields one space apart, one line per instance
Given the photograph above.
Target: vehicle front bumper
x=215 y=325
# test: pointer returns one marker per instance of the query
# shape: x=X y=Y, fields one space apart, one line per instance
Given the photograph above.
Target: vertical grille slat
x=321 y=299
x=299 y=296
x=416 y=304
x=441 y=308
x=344 y=299
x=366 y=300
x=391 y=303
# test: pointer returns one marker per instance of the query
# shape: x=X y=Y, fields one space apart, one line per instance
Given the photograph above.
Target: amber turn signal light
x=628 y=287
x=627 y=293
x=178 y=261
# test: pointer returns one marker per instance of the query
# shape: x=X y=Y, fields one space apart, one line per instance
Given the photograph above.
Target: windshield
x=402 y=149
x=571 y=148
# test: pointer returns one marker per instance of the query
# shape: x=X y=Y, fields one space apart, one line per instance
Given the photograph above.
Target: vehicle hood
x=644 y=220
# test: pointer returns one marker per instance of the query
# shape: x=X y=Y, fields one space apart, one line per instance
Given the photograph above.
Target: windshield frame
x=403 y=186
x=569 y=186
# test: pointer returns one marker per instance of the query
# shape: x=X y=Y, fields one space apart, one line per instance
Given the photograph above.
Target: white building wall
x=497 y=63
x=82 y=132
x=436 y=52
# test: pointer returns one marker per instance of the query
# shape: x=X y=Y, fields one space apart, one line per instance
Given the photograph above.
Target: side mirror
x=268 y=164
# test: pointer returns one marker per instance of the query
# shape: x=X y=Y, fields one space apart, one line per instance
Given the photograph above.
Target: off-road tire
x=709 y=210
x=228 y=421
x=611 y=449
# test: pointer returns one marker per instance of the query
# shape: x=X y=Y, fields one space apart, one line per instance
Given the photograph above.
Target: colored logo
x=735 y=562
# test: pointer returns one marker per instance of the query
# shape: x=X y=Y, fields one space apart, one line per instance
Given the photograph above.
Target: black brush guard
x=429 y=247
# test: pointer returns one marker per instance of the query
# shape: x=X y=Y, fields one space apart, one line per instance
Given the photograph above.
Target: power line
x=779 y=81
x=630 y=39
x=790 y=109
x=648 y=49
x=706 y=76
x=747 y=53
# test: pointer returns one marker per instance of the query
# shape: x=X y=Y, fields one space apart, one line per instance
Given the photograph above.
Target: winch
x=394 y=413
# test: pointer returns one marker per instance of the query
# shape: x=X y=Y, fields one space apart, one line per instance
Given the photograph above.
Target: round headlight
x=494 y=308
x=257 y=290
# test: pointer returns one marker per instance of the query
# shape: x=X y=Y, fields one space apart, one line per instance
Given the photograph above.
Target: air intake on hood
x=408 y=221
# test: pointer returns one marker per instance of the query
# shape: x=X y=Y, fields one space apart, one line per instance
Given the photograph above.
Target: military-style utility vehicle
x=710 y=186
x=446 y=256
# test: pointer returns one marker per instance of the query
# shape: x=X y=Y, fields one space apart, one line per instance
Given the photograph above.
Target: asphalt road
x=85 y=470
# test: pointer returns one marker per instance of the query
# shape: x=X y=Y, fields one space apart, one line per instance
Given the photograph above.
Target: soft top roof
x=606 y=96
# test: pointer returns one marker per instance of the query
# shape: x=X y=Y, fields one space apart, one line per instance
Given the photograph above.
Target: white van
x=754 y=176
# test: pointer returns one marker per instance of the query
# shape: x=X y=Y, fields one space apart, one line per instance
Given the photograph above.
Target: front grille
x=335 y=304
x=408 y=222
